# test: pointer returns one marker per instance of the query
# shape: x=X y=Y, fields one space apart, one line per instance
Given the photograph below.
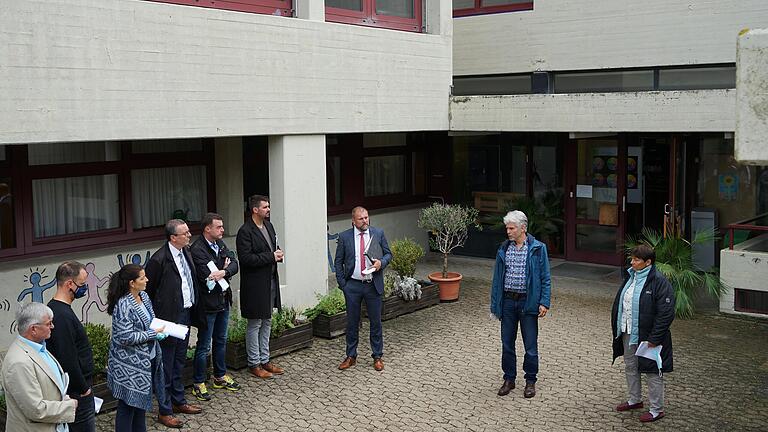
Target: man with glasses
x=69 y=343
x=172 y=287
x=33 y=380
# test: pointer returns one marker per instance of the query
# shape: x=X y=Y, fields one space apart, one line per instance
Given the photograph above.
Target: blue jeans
x=512 y=314
x=129 y=419
x=354 y=294
x=216 y=330
x=174 y=356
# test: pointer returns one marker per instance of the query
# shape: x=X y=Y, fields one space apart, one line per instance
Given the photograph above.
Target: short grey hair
x=518 y=218
x=31 y=314
x=170 y=227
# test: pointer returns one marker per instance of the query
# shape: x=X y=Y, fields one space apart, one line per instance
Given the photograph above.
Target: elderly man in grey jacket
x=35 y=385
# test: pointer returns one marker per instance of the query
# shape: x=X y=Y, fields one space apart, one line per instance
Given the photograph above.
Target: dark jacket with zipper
x=657 y=311
x=215 y=300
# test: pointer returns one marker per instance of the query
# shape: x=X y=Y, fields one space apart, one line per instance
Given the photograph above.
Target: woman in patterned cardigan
x=135 y=359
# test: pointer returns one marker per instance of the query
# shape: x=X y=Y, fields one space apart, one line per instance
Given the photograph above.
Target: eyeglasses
x=185 y=233
x=49 y=324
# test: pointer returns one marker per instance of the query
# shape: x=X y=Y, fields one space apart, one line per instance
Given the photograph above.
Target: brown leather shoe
x=170 y=421
x=260 y=372
x=626 y=406
x=187 y=409
x=378 y=364
x=348 y=363
x=507 y=387
x=530 y=390
x=273 y=368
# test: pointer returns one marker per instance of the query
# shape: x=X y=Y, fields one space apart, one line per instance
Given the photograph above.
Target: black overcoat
x=257 y=267
x=164 y=286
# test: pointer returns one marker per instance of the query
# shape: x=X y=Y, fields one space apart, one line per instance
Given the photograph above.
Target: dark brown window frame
x=22 y=175
x=479 y=9
x=369 y=18
x=267 y=7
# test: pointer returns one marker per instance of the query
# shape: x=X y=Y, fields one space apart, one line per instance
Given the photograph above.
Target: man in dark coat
x=259 y=254
x=172 y=288
x=215 y=300
x=642 y=312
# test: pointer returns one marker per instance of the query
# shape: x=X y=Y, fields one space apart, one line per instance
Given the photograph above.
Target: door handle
x=624 y=204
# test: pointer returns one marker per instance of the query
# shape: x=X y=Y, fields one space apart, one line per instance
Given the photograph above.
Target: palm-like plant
x=674 y=259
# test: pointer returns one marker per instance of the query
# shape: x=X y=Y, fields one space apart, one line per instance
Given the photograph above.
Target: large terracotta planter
x=449 y=285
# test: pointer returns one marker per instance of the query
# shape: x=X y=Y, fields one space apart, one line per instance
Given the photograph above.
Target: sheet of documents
x=643 y=350
x=171 y=329
x=97 y=402
x=222 y=283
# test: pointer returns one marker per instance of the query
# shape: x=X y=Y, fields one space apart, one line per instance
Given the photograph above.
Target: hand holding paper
x=171 y=329
x=222 y=282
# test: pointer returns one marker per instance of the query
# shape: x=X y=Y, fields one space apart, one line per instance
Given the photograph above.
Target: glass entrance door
x=596 y=201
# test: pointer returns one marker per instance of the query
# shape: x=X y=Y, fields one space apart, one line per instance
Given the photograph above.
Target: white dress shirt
x=186 y=290
x=357 y=274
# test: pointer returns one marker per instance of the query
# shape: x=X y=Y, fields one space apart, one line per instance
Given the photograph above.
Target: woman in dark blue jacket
x=643 y=312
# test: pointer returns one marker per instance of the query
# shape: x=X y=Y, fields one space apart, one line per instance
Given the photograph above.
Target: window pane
x=493 y=85
x=167 y=146
x=77 y=152
x=697 y=78
x=463 y=4
x=400 y=8
x=333 y=177
x=75 y=205
x=419 y=173
x=384 y=175
x=604 y=81
x=488 y=3
x=2 y=152
x=356 y=5
x=160 y=194
x=7 y=229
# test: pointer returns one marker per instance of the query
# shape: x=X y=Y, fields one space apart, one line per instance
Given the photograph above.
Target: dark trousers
x=129 y=419
x=217 y=330
x=174 y=355
x=512 y=314
x=85 y=415
x=354 y=294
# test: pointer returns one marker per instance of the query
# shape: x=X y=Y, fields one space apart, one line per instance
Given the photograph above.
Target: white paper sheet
x=97 y=403
x=643 y=350
x=222 y=283
x=171 y=329
x=583 y=191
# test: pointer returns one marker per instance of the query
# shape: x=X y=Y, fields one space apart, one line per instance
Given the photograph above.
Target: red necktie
x=362 y=252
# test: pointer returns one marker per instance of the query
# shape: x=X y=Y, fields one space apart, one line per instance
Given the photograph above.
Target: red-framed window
x=375 y=170
x=78 y=195
x=270 y=7
x=392 y=14
x=481 y=7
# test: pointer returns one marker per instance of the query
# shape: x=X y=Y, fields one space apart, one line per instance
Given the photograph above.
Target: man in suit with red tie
x=172 y=288
x=362 y=253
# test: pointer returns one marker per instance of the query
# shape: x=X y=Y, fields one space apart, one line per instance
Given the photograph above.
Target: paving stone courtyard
x=442 y=371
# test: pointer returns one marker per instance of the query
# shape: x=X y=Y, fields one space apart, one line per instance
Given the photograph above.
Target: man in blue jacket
x=520 y=294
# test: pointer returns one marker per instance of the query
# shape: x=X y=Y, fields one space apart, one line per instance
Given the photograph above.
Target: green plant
x=405 y=254
x=237 y=328
x=448 y=224
x=389 y=284
x=329 y=304
x=674 y=259
x=282 y=320
x=2 y=401
x=545 y=214
x=98 y=336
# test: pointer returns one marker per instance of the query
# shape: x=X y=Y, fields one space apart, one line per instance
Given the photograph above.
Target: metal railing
x=745 y=225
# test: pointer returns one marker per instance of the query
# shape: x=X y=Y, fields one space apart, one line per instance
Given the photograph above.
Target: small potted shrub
x=290 y=332
x=99 y=337
x=329 y=315
x=448 y=225
x=405 y=254
x=236 y=356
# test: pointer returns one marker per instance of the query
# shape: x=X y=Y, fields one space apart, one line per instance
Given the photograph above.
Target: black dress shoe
x=506 y=388
x=530 y=390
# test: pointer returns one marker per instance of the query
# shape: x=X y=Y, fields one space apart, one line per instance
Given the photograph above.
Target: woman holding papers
x=135 y=359
x=642 y=313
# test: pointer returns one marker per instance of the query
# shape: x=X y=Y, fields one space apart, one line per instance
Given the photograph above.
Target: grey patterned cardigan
x=129 y=371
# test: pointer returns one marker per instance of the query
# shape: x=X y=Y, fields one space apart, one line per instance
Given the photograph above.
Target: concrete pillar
x=299 y=214
x=438 y=18
x=313 y=10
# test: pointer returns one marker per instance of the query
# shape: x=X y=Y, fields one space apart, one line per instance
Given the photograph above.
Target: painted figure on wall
x=93 y=297
x=36 y=290
x=132 y=259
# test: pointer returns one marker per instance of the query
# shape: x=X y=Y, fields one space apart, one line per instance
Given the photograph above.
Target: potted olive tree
x=448 y=225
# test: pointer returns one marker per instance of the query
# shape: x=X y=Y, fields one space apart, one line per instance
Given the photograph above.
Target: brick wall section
x=129 y=69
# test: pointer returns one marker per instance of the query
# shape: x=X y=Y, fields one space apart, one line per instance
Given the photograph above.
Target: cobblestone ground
x=442 y=371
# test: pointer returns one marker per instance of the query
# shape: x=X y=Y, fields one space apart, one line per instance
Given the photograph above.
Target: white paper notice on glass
x=97 y=403
x=222 y=283
x=171 y=329
x=583 y=191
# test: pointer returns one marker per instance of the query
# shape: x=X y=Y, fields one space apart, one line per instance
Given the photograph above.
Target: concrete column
x=229 y=182
x=299 y=214
x=313 y=10
x=438 y=17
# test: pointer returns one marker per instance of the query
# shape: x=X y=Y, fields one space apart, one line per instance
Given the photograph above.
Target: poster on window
x=728 y=187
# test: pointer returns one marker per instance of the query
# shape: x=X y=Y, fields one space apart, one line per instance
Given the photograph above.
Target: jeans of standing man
x=85 y=415
x=512 y=314
x=354 y=294
x=174 y=356
x=257 y=341
x=129 y=419
x=216 y=330
x=655 y=382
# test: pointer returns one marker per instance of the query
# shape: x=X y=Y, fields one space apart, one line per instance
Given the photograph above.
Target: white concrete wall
x=751 y=145
x=743 y=269
x=397 y=223
x=596 y=34
x=129 y=69
x=668 y=111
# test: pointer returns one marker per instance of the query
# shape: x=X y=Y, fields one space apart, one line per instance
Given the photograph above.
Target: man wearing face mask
x=69 y=343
